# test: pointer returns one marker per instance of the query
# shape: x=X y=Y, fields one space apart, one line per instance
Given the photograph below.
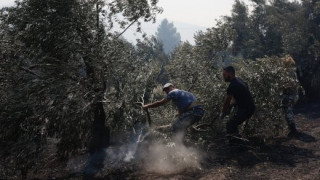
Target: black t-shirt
x=240 y=92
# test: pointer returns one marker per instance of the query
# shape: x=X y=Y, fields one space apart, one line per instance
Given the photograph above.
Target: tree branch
x=127 y=27
x=29 y=71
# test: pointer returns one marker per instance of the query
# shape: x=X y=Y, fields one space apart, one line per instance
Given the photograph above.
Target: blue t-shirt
x=182 y=99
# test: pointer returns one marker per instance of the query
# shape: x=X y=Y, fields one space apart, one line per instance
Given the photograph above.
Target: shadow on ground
x=249 y=154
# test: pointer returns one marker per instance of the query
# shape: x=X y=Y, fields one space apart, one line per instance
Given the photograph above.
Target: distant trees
x=214 y=44
x=167 y=34
x=151 y=49
x=290 y=28
x=239 y=21
x=272 y=29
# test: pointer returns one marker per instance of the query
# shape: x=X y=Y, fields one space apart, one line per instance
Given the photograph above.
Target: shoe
x=293 y=134
x=293 y=131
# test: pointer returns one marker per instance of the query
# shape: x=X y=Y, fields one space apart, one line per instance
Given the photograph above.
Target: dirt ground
x=279 y=158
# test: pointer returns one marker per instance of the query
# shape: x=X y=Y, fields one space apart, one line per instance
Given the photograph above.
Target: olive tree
x=57 y=66
x=264 y=77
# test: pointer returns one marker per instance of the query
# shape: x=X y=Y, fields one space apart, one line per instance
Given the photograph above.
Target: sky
x=188 y=16
x=197 y=12
x=4 y=3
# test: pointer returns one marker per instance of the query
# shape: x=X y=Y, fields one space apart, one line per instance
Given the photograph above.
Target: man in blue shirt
x=188 y=109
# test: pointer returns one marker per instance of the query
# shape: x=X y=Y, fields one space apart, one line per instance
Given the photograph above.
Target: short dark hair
x=229 y=69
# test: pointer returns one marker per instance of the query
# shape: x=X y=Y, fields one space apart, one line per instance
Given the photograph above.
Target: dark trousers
x=241 y=115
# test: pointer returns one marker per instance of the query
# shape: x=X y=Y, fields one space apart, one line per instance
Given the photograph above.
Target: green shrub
x=264 y=77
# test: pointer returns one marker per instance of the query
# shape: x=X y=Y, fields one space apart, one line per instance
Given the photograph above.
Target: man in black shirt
x=239 y=96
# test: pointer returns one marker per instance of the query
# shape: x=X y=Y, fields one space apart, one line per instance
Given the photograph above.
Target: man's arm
x=155 y=104
x=226 y=105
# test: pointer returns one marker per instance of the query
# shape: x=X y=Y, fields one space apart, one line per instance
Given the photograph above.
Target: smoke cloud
x=155 y=154
x=170 y=157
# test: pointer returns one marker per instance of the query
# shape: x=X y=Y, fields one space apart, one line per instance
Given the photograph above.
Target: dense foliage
x=57 y=64
x=279 y=27
x=264 y=76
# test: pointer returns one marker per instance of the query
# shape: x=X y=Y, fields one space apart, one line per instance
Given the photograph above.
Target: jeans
x=188 y=118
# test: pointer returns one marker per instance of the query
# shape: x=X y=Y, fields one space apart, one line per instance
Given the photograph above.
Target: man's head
x=168 y=87
x=289 y=62
x=228 y=73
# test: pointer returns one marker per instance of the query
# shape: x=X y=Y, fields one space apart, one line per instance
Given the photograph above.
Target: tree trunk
x=100 y=133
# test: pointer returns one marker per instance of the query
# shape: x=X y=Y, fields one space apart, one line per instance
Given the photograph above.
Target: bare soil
x=278 y=158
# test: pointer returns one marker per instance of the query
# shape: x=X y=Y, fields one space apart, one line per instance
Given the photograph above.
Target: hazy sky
x=197 y=12
x=188 y=16
x=6 y=3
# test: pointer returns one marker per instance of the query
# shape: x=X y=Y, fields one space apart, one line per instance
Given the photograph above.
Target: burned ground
x=277 y=158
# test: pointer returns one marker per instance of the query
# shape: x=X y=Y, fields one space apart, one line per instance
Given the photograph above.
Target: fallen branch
x=30 y=71
x=141 y=103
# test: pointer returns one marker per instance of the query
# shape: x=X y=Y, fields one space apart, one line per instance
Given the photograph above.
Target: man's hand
x=226 y=104
x=145 y=107
x=155 y=104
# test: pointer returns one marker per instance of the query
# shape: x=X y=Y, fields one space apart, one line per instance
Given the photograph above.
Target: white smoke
x=155 y=154
x=172 y=157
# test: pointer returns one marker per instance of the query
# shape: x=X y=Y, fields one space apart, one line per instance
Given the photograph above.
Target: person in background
x=290 y=95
